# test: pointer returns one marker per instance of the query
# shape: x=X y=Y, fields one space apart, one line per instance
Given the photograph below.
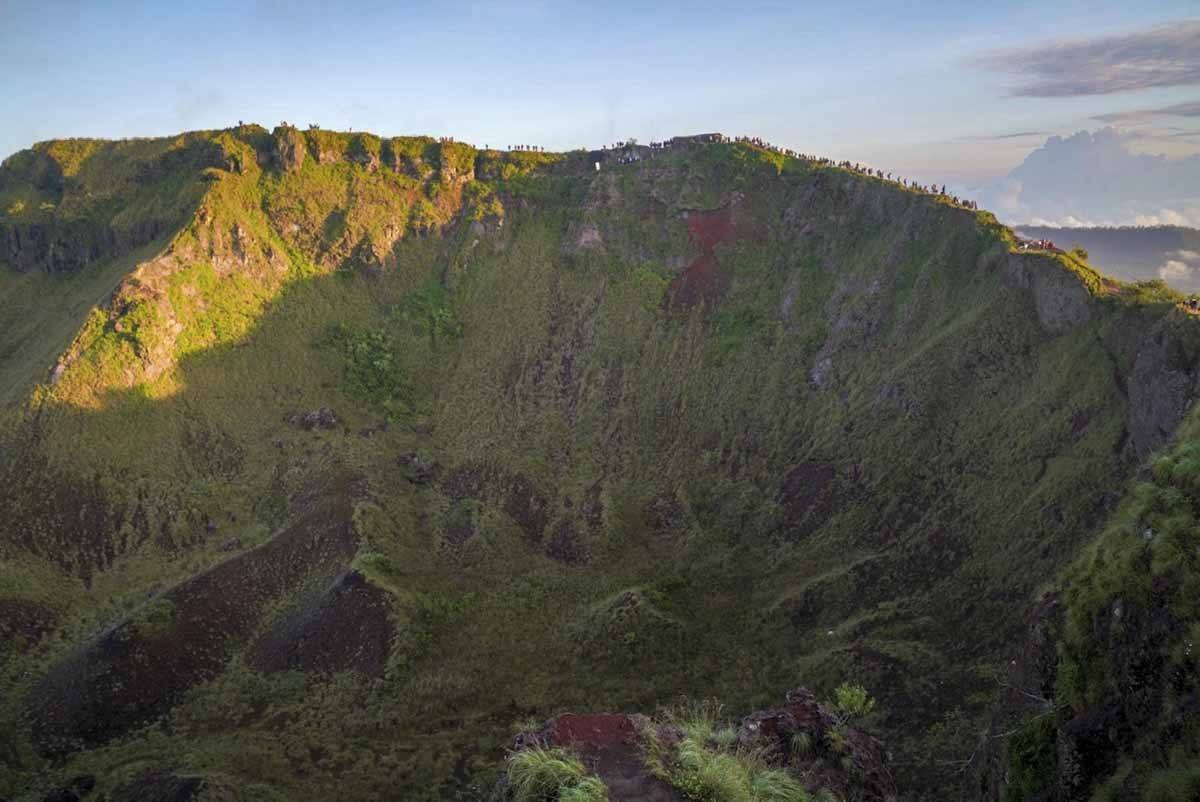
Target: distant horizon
x=959 y=98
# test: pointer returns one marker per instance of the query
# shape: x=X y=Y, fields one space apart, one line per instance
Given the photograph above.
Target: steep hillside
x=338 y=455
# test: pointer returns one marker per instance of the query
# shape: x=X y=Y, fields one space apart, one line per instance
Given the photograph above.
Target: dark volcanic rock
x=138 y=669
x=565 y=545
x=525 y=505
x=323 y=418
x=23 y=622
x=348 y=628
x=160 y=787
x=77 y=789
x=868 y=777
x=807 y=497
x=416 y=469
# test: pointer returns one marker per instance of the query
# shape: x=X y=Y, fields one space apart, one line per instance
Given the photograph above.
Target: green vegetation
x=372 y=368
x=713 y=775
x=707 y=765
x=1030 y=759
x=613 y=503
x=852 y=702
x=552 y=775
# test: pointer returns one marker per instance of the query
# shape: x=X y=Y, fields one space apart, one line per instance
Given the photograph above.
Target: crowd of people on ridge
x=631 y=156
x=1036 y=245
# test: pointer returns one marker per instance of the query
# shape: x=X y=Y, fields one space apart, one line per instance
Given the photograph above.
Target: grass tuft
x=545 y=775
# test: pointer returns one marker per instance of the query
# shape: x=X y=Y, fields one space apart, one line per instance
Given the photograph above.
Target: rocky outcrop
x=1162 y=386
x=1061 y=300
x=289 y=149
x=802 y=737
x=78 y=222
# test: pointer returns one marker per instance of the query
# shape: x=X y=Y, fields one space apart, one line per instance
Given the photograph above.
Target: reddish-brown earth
x=609 y=745
x=702 y=282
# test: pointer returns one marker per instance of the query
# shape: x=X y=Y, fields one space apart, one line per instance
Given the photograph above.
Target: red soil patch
x=602 y=729
x=708 y=229
x=702 y=281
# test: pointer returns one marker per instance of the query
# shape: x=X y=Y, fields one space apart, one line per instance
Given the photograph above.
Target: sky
x=938 y=91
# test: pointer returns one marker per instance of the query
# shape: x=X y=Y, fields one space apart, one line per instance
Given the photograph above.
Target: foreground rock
x=640 y=759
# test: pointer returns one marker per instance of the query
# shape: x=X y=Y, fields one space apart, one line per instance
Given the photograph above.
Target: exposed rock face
x=364 y=154
x=290 y=149
x=1061 y=300
x=702 y=282
x=1162 y=387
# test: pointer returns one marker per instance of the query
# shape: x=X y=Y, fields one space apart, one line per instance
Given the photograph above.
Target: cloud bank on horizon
x=1117 y=175
x=1094 y=179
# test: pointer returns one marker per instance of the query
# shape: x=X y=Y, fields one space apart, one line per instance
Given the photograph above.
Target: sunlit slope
x=716 y=422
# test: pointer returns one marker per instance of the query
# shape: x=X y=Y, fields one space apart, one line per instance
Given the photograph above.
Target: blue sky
x=917 y=87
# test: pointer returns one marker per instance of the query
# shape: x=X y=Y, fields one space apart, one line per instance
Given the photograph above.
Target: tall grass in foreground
x=552 y=775
x=707 y=764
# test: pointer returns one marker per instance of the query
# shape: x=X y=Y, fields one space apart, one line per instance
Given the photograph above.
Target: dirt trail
x=609 y=745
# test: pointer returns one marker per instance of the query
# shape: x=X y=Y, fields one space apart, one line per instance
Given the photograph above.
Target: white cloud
x=1173 y=270
x=1093 y=178
x=1070 y=221
x=1169 y=217
x=1180 y=266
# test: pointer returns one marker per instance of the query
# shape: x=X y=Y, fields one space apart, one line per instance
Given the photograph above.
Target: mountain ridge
x=860 y=409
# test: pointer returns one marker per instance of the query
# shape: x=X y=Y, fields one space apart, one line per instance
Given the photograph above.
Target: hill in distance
x=330 y=462
x=1154 y=253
